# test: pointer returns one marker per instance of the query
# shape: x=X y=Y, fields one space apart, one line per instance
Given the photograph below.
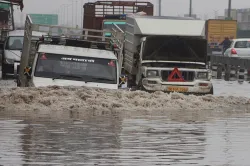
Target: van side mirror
x=27 y=72
x=122 y=80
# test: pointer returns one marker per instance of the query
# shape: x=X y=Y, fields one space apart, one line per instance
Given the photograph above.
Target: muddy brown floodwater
x=140 y=141
x=87 y=126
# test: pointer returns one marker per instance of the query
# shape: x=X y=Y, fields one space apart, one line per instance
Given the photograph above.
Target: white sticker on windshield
x=78 y=60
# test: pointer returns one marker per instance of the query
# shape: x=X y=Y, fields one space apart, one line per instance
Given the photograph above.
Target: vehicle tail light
x=233 y=51
x=203 y=84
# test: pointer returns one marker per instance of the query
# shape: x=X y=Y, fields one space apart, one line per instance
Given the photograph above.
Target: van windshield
x=77 y=68
x=14 y=43
x=175 y=48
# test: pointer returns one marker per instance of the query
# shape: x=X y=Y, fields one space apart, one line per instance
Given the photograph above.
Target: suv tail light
x=233 y=51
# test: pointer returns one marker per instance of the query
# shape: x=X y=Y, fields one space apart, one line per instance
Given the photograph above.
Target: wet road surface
x=144 y=141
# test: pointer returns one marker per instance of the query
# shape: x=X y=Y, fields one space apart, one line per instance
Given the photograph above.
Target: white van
x=12 y=50
x=57 y=65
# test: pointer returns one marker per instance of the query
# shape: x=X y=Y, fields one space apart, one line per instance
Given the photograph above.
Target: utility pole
x=81 y=14
x=216 y=14
x=72 y=13
x=229 y=9
x=159 y=7
x=76 y=13
x=190 y=8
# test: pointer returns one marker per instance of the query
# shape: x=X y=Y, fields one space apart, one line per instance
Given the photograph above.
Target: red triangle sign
x=171 y=77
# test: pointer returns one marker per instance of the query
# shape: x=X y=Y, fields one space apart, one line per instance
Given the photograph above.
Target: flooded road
x=144 y=141
x=70 y=126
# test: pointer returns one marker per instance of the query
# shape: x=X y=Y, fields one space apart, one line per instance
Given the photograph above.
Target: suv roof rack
x=67 y=41
x=77 y=37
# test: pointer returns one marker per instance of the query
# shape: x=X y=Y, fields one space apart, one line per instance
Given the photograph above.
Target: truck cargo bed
x=94 y=13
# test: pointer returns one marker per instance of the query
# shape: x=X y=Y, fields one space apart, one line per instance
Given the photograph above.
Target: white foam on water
x=60 y=100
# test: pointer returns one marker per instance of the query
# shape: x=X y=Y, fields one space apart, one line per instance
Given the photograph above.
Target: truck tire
x=211 y=91
x=4 y=76
x=3 y=68
x=18 y=83
x=131 y=81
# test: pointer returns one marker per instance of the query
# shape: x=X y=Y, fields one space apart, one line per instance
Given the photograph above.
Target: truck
x=102 y=14
x=4 y=24
x=217 y=30
x=4 y=19
x=166 y=54
x=60 y=60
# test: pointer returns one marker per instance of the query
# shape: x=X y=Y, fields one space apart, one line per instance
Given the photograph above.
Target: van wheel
x=211 y=91
x=18 y=83
x=3 y=72
x=140 y=86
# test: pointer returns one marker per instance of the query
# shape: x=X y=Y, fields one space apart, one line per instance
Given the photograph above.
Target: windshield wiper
x=65 y=76
x=82 y=78
x=104 y=79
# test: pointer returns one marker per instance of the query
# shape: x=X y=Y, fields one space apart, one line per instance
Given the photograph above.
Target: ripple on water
x=139 y=141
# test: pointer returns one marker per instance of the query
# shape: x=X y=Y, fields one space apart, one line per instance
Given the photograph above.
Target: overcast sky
x=202 y=8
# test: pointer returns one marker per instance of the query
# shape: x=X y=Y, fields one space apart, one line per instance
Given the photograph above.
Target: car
x=12 y=50
x=215 y=47
x=239 y=48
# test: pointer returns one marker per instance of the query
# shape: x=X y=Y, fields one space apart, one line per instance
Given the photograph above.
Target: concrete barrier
x=233 y=73
x=241 y=75
x=214 y=71
x=234 y=68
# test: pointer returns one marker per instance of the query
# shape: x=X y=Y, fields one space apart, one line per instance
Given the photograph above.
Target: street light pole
x=190 y=8
x=159 y=7
x=63 y=7
x=229 y=9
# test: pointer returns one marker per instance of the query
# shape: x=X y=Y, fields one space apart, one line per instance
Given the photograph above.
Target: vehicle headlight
x=202 y=75
x=152 y=73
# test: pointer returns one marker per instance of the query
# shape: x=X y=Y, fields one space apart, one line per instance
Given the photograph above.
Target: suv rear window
x=242 y=44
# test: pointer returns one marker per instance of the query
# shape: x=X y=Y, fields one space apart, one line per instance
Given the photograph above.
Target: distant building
x=233 y=13
x=243 y=19
x=221 y=17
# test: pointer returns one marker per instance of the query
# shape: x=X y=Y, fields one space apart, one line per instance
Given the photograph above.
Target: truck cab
x=66 y=59
x=73 y=66
x=176 y=66
x=167 y=54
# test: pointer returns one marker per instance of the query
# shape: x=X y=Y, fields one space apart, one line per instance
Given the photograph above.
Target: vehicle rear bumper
x=197 y=87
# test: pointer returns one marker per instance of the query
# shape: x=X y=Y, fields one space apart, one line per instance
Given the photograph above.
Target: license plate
x=177 y=89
